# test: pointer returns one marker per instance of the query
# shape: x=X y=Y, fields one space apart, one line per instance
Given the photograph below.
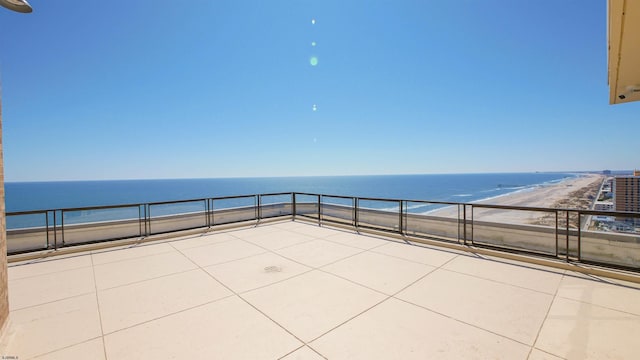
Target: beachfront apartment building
x=627 y=193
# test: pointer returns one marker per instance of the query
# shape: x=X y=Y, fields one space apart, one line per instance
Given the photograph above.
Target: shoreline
x=569 y=193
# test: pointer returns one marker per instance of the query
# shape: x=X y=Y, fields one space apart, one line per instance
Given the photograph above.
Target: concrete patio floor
x=293 y=290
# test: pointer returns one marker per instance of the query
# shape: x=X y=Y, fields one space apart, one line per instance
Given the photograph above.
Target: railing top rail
x=339 y=196
x=234 y=197
x=30 y=212
x=512 y=207
x=276 y=194
x=306 y=194
x=436 y=202
x=378 y=199
x=490 y=206
x=608 y=213
x=176 y=201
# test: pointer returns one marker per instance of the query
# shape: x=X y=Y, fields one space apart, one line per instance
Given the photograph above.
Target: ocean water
x=27 y=196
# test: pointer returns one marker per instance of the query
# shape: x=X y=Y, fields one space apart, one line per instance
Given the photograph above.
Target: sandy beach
x=574 y=193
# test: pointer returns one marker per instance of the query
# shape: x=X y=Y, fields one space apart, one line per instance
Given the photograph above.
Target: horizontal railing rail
x=569 y=234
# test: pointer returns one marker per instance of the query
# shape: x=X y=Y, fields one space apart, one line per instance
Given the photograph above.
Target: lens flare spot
x=313 y=61
x=313 y=21
x=314 y=107
x=313 y=43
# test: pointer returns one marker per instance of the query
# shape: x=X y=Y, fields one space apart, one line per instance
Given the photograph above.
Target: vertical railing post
x=400 y=219
x=147 y=213
x=567 y=236
x=55 y=231
x=213 y=212
x=46 y=227
x=557 y=238
x=579 y=233
x=472 y=238
x=293 y=206
x=259 y=212
x=356 y=210
x=458 y=223
x=464 y=223
x=62 y=226
x=139 y=220
x=293 y=202
x=206 y=213
x=319 y=212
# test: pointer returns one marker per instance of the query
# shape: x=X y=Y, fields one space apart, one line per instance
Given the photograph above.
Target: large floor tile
x=222 y=252
x=416 y=253
x=47 y=266
x=109 y=255
x=225 y=329
x=357 y=240
x=278 y=240
x=128 y=305
x=130 y=271
x=92 y=349
x=255 y=271
x=313 y=303
x=522 y=274
x=201 y=240
x=45 y=328
x=383 y=273
x=507 y=310
x=397 y=330
x=577 y=330
x=46 y=288
x=600 y=293
x=318 y=253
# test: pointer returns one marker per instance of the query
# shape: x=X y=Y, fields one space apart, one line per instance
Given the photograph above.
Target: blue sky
x=166 y=89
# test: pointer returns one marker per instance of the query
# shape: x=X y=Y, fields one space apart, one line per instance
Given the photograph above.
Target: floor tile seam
x=523 y=265
x=499 y=282
x=424 y=276
x=546 y=352
x=353 y=282
x=546 y=315
x=201 y=245
x=385 y=299
x=299 y=348
x=401 y=258
x=314 y=267
x=342 y=243
x=273 y=283
x=48 y=273
x=52 y=301
x=598 y=305
x=65 y=347
x=228 y=261
x=95 y=285
x=132 y=258
x=233 y=293
x=464 y=322
x=601 y=280
x=319 y=267
x=145 y=280
x=378 y=291
x=287 y=246
x=355 y=247
x=169 y=314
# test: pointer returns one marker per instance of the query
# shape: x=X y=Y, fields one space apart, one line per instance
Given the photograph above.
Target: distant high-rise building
x=627 y=193
x=636 y=172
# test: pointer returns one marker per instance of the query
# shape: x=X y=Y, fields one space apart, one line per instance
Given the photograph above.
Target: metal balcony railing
x=570 y=234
